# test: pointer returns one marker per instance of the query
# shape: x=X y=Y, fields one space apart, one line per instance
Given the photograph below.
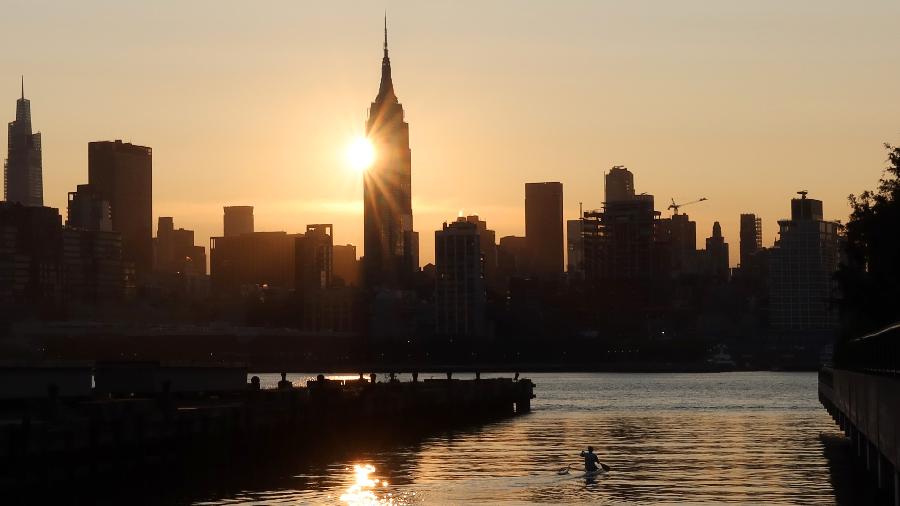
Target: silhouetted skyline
x=749 y=121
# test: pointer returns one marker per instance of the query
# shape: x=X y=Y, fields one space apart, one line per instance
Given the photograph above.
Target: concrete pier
x=54 y=439
x=867 y=408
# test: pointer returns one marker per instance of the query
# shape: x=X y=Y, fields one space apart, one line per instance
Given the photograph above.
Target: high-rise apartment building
x=314 y=258
x=801 y=269
x=22 y=173
x=87 y=210
x=544 y=228
x=346 y=265
x=176 y=252
x=460 y=296
x=122 y=174
x=391 y=245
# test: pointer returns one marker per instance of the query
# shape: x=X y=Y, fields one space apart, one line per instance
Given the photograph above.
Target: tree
x=869 y=276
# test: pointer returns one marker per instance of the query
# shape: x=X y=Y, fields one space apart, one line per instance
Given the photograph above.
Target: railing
x=876 y=353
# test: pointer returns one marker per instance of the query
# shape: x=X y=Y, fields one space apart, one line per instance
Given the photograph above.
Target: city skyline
x=291 y=185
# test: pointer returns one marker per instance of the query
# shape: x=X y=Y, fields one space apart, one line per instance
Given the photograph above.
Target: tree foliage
x=869 y=277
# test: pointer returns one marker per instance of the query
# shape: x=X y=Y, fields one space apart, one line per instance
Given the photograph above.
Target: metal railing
x=876 y=353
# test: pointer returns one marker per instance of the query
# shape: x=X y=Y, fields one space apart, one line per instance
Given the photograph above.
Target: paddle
x=565 y=470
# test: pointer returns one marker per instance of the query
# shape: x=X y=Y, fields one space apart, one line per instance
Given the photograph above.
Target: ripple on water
x=733 y=437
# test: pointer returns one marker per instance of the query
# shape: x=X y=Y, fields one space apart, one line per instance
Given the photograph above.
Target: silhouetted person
x=361 y=377
x=393 y=378
x=284 y=384
x=516 y=377
x=590 y=460
x=478 y=375
x=449 y=375
x=415 y=376
x=372 y=378
x=254 y=383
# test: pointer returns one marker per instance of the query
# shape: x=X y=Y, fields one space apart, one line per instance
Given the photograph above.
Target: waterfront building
x=488 y=243
x=248 y=262
x=237 y=220
x=391 y=245
x=22 y=172
x=460 y=296
x=122 y=174
x=30 y=246
x=802 y=287
x=544 y=229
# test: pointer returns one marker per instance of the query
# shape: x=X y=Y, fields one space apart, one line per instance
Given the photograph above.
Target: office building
x=237 y=220
x=176 y=252
x=391 y=245
x=619 y=184
x=544 y=228
x=22 y=173
x=460 y=295
x=122 y=174
x=93 y=270
x=802 y=288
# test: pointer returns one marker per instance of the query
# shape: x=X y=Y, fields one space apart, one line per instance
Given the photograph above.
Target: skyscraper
x=391 y=246
x=619 y=184
x=751 y=237
x=237 y=220
x=544 y=228
x=122 y=174
x=22 y=178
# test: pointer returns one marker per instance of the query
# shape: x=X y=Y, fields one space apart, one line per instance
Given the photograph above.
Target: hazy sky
x=254 y=102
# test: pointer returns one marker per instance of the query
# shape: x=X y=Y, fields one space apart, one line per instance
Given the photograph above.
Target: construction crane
x=675 y=207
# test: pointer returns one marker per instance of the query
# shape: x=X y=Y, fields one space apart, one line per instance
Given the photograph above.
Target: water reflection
x=365 y=490
x=715 y=438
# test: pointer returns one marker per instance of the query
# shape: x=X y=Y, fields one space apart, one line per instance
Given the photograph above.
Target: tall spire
x=23 y=87
x=386 y=88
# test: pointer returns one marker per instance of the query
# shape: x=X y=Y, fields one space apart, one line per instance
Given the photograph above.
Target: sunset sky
x=254 y=103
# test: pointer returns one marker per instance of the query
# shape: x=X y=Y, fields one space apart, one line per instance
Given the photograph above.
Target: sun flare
x=360 y=154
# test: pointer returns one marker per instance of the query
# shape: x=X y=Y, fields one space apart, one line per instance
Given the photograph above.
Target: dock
x=861 y=392
x=150 y=414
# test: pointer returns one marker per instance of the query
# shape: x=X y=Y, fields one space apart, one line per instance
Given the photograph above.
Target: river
x=756 y=437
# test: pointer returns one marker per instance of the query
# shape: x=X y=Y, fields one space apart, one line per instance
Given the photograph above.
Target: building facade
x=22 y=173
x=619 y=184
x=544 y=228
x=122 y=174
x=751 y=237
x=717 y=255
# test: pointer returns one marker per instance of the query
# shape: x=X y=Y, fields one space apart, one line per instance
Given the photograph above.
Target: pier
x=862 y=394
x=150 y=414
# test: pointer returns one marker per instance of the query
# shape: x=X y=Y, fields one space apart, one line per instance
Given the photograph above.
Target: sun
x=360 y=154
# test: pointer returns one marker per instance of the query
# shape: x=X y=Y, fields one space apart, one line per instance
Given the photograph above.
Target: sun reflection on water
x=364 y=489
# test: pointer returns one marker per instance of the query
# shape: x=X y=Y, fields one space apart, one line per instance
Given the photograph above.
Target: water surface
x=727 y=437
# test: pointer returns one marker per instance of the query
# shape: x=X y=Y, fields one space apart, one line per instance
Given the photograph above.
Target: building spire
x=23 y=87
x=386 y=88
